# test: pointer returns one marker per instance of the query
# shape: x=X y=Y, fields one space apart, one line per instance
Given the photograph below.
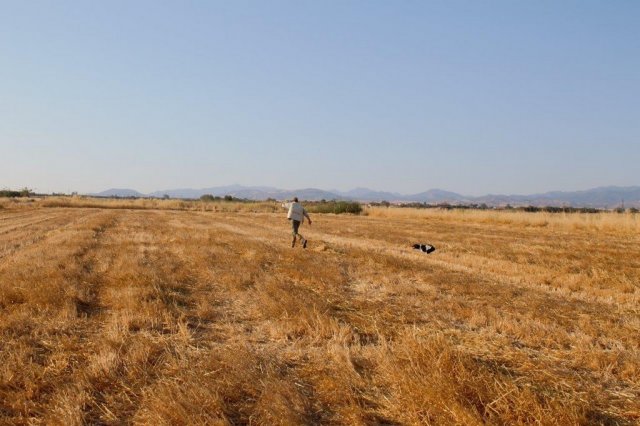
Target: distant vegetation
x=208 y=198
x=24 y=192
x=206 y=202
x=529 y=209
x=209 y=202
x=220 y=205
x=336 y=207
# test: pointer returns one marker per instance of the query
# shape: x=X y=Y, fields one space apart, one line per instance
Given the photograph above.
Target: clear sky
x=470 y=96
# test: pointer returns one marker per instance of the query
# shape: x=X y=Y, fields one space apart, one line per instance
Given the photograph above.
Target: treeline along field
x=149 y=316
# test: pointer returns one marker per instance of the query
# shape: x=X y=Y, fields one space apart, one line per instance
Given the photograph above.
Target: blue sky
x=473 y=97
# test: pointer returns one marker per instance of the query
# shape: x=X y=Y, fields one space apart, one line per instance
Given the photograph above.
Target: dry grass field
x=168 y=316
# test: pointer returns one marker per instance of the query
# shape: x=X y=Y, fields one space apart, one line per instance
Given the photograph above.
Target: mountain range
x=602 y=197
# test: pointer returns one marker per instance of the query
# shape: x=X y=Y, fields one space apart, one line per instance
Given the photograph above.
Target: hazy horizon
x=294 y=188
x=338 y=190
x=475 y=98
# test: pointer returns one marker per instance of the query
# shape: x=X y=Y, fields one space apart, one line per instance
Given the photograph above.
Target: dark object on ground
x=304 y=244
x=427 y=248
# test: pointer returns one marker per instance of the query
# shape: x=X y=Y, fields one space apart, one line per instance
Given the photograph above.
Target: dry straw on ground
x=152 y=316
x=160 y=204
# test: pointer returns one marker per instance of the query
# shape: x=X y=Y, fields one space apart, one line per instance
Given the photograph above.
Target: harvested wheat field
x=152 y=316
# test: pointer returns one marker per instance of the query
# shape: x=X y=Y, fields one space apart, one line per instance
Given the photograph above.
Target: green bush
x=24 y=192
x=336 y=207
x=207 y=198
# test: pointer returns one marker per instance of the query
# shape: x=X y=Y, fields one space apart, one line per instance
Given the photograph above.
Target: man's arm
x=306 y=215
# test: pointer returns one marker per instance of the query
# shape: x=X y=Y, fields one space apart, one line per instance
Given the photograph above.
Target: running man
x=296 y=215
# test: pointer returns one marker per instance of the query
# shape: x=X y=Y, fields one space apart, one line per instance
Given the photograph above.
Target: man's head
x=295 y=199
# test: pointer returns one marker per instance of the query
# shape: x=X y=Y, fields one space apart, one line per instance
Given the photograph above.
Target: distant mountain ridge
x=120 y=192
x=602 y=197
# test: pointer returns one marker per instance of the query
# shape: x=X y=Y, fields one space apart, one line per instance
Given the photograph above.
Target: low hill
x=120 y=192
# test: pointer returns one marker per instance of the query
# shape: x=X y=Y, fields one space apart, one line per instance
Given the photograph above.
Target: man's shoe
x=304 y=244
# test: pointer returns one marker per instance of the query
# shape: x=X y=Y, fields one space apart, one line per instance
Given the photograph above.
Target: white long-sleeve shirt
x=296 y=211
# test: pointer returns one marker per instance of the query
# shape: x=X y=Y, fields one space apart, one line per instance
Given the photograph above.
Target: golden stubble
x=148 y=314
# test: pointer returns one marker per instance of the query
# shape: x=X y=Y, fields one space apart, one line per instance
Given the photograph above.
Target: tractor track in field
x=471 y=265
x=11 y=245
x=477 y=278
x=144 y=316
x=552 y=303
x=24 y=225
